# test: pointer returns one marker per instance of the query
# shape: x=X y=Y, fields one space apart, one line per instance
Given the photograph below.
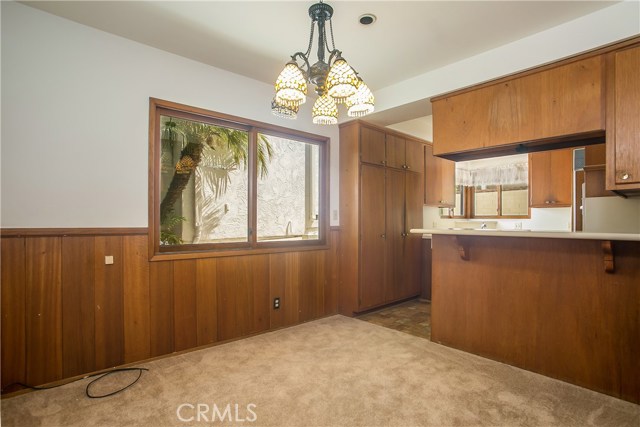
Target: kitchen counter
x=428 y=232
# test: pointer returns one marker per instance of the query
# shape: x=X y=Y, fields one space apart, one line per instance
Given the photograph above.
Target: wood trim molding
x=41 y=232
x=620 y=44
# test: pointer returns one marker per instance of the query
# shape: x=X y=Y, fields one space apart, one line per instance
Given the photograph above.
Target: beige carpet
x=332 y=372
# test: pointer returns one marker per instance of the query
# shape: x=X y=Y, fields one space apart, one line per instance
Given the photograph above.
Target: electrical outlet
x=108 y=259
x=335 y=214
x=276 y=303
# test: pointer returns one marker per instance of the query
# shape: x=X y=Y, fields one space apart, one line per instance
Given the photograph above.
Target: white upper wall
x=605 y=26
x=75 y=108
x=76 y=114
x=422 y=127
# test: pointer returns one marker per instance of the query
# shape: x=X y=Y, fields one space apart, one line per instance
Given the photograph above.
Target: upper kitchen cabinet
x=391 y=150
x=403 y=153
x=550 y=178
x=439 y=180
x=623 y=120
x=554 y=102
x=372 y=146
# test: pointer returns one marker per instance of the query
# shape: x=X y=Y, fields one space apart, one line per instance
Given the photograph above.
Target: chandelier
x=335 y=81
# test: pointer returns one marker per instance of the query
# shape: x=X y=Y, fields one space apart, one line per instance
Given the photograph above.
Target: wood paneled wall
x=65 y=312
x=545 y=305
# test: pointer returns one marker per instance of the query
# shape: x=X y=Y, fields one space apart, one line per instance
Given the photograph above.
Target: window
x=500 y=201
x=491 y=201
x=491 y=188
x=223 y=183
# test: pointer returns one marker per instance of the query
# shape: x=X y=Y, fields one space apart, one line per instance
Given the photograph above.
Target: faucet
x=483 y=226
x=287 y=230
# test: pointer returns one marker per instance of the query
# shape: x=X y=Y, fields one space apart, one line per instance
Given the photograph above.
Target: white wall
x=75 y=119
x=75 y=116
x=616 y=22
x=422 y=127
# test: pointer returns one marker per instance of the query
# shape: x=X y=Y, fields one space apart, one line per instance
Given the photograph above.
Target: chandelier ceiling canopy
x=335 y=81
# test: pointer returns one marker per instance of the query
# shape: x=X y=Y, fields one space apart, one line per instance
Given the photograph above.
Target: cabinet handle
x=625 y=176
x=384 y=236
x=546 y=202
x=407 y=166
x=383 y=162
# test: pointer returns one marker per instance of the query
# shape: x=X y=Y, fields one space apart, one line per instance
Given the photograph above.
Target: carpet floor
x=335 y=371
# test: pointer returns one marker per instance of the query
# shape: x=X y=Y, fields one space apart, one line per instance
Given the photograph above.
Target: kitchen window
x=491 y=188
x=222 y=183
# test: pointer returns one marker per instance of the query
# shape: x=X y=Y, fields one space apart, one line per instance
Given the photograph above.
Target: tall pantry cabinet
x=381 y=199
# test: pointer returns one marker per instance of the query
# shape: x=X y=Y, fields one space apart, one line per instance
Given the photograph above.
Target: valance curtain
x=509 y=170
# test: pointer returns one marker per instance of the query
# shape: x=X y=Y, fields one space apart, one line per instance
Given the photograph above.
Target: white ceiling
x=256 y=38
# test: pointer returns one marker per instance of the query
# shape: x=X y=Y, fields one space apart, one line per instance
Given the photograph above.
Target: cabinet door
x=550 y=178
x=414 y=190
x=572 y=98
x=439 y=175
x=554 y=102
x=514 y=111
x=372 y=146
x=396 y=152
x=461 y=122
x=414 y=152
x=623 y=126
x=372 y=237
x=395 y=213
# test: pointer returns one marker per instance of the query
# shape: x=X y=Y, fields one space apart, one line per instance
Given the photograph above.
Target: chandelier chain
x=308 y=52
x=333 y=44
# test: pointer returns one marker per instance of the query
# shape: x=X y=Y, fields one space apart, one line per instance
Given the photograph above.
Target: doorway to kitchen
x=412 y=317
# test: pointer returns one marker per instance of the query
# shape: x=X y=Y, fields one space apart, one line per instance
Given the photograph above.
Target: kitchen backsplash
x=547 y=219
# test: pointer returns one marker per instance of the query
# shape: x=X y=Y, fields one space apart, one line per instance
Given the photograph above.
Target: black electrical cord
x=100 y=376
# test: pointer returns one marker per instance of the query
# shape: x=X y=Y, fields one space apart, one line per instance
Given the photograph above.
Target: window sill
x=265 y=248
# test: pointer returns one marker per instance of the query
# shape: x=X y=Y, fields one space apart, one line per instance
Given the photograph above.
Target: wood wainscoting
x=550 y=306
x=66 y=313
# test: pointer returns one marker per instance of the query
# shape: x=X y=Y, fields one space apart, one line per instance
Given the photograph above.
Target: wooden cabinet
x=372 y=147
x=550 y=178
x=391 y=150
x=595 y=172
x=555 y=102
x=380 y=201
x=403 y=153
x=439 y=175
x=372 y=235
x=396 y=155
x=623 y=120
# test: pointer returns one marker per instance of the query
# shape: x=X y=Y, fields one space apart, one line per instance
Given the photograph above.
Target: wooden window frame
x=468 y=198
x=157 y=252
